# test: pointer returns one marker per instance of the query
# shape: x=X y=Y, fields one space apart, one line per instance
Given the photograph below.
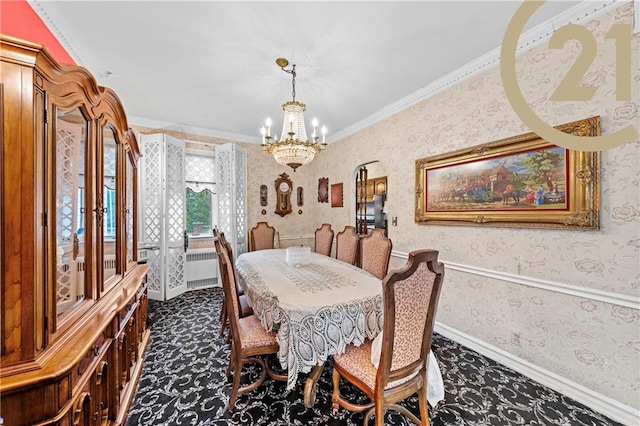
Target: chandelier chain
x=292 y=71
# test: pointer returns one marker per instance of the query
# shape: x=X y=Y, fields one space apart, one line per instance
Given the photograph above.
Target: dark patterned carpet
x=184 y=383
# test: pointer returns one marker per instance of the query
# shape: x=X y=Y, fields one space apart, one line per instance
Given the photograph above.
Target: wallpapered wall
x=592 y=343
x=589 y=342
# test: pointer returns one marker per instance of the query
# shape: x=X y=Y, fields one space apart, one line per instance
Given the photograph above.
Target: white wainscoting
x=601 y=403
x=632 y=302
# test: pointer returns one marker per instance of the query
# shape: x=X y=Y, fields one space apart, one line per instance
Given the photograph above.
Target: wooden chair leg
x=424 y=409
x=236 y=384
x=223 y=310
x=379 y=413
x=232 y=360
x=335 y=397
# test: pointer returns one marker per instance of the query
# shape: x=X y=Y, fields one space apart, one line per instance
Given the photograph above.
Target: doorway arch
x=368 y=197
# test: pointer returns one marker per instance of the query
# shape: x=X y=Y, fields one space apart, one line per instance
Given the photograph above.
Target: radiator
x=201 y=268
x=109 y=270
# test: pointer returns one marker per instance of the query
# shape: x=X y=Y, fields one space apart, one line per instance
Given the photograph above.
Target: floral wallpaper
x=592 y=343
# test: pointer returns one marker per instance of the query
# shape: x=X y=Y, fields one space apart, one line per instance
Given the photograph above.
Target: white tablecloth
x=316 y=309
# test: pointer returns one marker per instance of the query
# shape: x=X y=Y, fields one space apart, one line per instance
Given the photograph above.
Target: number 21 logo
x=569 y=88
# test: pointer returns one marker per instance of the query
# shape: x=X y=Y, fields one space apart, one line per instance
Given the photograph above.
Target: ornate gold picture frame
x=522 y=181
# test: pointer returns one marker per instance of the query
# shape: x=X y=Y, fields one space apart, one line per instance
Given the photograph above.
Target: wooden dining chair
x=242 y=301
x=249 y=339
x=324 y=239
x=410 y=300
x=375 y=252
x=347 y=245
x=261 y=237
x=227 y=245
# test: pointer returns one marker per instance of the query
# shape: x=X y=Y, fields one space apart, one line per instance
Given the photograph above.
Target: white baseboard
x=603 y=404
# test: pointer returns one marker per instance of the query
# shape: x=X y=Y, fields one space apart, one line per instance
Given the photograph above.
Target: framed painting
x=323 y=190
x=336 y=195
x=523 y=181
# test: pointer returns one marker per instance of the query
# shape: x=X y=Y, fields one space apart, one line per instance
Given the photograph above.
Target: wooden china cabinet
x=73 y=296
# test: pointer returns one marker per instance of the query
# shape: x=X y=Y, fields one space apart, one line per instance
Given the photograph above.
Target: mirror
x=300 y=196
x=70 y=154
x=323 y=190
x=284 y=187
x=109 y=203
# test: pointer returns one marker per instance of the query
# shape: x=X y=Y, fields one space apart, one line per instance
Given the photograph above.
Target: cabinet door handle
x=79 y=405
x=101 y=372
x=96 y=350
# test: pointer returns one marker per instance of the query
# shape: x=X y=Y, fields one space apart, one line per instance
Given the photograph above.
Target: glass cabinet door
x=109 y=209
x=70 y=218
x=129 y=207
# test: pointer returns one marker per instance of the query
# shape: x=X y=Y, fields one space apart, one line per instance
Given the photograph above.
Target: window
x=201 y=198
x=109 y=213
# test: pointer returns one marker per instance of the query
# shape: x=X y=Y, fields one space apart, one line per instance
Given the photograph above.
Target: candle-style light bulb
x=263 y=131
x=268 y=123
x=314 y=135
x=324 y=133
x=291 y=118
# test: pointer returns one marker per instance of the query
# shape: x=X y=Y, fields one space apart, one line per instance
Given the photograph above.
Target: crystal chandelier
x=294 y=149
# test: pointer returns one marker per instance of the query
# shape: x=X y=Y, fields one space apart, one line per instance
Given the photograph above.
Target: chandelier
x=294 y=149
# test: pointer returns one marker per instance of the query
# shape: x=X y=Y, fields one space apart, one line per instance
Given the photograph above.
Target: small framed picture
x=336 y=195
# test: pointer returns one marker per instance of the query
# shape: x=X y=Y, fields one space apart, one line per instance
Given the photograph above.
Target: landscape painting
x=523 y=181
x=526 y=180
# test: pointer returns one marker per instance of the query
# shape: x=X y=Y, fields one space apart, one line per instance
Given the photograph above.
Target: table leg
x=310 y=385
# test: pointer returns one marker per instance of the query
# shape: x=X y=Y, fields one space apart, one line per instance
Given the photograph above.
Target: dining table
x=316 y=308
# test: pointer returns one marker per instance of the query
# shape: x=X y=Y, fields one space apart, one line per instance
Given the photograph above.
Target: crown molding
x=57 y=24
x=202 y=131
x=589 y=9
x=528 y=40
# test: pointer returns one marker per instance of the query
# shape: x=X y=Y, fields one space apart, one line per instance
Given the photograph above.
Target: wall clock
x=284 y=187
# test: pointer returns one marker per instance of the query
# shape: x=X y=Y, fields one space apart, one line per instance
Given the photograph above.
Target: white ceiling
x=210 y=66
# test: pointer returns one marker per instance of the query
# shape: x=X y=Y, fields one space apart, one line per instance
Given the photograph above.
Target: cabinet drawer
x=96 y=350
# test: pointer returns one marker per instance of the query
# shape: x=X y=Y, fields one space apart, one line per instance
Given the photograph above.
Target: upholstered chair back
x=324 y=239
x=347 y=245
x=375 y=252
x=230 y=291
x=261 y=237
